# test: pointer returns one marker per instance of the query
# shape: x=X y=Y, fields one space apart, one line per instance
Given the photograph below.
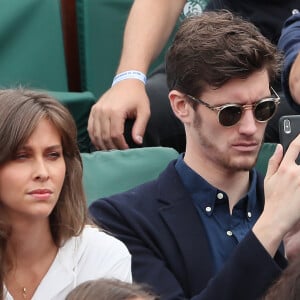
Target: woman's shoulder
x=96 y=237
x=95 y=253
x=95 y=240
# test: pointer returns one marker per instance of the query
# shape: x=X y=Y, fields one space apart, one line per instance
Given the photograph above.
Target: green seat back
x=32 y=49
x=79 y=104
x=266 y=152
x=109 y=172
x=100 y=30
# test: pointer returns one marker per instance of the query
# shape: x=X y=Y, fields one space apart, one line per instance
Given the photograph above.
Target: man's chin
x=244 y=165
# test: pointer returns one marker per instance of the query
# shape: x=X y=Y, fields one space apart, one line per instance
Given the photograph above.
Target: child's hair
x=288 y=284
x=110 y=289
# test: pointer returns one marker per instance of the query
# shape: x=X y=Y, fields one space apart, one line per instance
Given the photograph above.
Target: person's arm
x=289 y=43
x=148 y=27
x=292 y=243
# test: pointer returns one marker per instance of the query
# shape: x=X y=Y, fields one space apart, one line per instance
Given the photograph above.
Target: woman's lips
x=42 y=194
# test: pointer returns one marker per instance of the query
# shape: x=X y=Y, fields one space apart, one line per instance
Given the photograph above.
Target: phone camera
x=287 y=126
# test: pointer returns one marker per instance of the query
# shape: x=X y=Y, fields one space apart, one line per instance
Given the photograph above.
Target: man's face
x=232 y=148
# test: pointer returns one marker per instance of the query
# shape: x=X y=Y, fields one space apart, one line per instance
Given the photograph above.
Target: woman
x=46 y=247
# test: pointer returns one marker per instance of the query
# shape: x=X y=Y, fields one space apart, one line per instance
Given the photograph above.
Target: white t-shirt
x=93 y=254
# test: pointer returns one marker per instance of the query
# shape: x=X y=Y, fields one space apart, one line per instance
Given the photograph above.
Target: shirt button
x=229 y=232
x=208 y=209
x=220 y=196
x=249 y=214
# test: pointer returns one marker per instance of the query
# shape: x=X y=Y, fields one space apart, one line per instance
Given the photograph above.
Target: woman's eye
x=54 y=155
x=21 y=155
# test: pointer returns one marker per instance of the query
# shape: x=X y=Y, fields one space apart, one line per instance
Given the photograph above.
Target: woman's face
x=31 y=182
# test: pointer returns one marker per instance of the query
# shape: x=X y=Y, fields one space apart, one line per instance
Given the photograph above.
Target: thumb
x=274 y=161
x=139 y=127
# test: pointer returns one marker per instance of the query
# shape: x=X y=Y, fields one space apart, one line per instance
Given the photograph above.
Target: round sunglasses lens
x=230 y=115
x=265 y=110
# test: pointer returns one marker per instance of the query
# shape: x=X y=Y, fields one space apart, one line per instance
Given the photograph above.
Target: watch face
x=193 y=7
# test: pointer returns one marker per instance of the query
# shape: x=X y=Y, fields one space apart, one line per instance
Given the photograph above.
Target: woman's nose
x=41 y=171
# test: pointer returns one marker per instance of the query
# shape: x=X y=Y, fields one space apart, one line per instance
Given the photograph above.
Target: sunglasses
x=230 y=114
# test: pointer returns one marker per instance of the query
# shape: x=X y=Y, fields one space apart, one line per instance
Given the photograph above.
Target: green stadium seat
x=265 y=153
x=79 y=104
x=110 y=172
x=32 y=48
x=32 y=55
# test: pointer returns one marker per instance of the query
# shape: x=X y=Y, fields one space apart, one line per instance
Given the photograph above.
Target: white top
x=91 y=255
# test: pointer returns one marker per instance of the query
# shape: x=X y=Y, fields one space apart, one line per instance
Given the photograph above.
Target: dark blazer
x=170 y=250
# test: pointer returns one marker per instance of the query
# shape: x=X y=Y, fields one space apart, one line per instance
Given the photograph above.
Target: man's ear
x=180 y=106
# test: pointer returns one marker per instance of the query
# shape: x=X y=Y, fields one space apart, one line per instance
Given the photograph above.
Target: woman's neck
x=31 y=251
x=28 y=242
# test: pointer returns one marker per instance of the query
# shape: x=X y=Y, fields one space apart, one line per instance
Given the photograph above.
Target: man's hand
x=292 y=243
x=125 y=100
x=282 y=198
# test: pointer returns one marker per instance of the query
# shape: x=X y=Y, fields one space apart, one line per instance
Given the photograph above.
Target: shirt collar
x=205 y=194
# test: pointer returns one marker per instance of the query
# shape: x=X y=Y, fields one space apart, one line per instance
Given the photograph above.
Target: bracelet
x=129 y=75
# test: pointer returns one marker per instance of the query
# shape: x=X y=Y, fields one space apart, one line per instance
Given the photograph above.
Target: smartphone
x=289 y=128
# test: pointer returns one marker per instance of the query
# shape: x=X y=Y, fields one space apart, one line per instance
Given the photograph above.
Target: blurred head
x=288 y=285
x=21 y=113
x=110 y=289
x=211 y=48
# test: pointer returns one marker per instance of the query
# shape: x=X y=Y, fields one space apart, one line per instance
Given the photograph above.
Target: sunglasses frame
x=219 y=108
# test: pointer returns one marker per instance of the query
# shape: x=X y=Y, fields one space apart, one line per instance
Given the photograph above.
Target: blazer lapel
x=185 y=224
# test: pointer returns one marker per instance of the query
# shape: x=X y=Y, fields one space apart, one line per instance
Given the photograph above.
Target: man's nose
x=248 y=123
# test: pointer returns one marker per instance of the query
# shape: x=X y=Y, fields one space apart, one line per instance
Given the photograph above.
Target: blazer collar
x=183 y=221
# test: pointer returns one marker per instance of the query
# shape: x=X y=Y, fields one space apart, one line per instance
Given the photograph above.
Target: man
x=205 y=229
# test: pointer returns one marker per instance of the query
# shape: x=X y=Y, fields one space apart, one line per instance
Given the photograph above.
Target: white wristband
x=132 y=74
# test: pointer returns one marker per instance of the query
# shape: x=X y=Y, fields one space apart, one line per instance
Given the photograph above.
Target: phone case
x=289 y=128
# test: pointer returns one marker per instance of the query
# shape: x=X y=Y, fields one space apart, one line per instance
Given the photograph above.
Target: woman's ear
x=180 y=106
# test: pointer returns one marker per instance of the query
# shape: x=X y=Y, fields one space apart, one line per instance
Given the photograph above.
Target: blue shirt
x=224 y=230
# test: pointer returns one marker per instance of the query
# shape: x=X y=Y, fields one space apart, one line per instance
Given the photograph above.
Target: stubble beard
x=225 y=160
